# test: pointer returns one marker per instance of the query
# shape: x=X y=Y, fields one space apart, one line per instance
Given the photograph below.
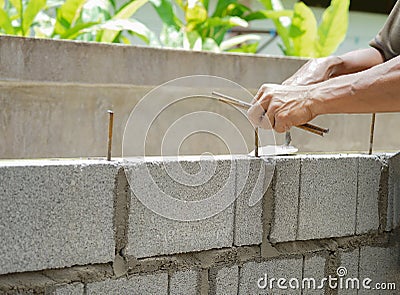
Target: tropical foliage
x=188 y=24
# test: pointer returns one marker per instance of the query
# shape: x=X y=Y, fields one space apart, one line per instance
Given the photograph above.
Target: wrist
x=315 y=102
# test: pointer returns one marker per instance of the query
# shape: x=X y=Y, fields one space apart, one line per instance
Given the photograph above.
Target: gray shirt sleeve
x=388 y=39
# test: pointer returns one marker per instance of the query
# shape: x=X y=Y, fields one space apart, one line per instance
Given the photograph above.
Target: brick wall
x=90 y=227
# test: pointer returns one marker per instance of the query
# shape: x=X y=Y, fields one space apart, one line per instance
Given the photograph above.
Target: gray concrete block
x=253 y=177
x=180 y=206
x=70 y=289
x=135 y=285
x=381 y=265
x=286 y=198
x=227 y=280
x=349 y=261
x=369 y=174
x=56 y=214
x=314 y=272
x=184 y=283
x=328 y=196
x=254 y=275
x=393 y=213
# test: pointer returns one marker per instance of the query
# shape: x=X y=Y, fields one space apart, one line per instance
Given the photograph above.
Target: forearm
x=371 y=91
x=354 y=61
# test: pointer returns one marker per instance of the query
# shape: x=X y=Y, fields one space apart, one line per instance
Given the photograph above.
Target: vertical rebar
x=256 y=142
x=110 y=133
x=371 y=135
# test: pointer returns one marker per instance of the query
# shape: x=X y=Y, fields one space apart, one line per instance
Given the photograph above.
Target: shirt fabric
x=387 y=41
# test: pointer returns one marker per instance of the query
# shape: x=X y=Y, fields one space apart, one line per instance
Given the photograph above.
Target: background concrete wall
x=85 y=227
x=55 y=96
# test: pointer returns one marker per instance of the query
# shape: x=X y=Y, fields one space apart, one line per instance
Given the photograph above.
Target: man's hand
x=280 y=107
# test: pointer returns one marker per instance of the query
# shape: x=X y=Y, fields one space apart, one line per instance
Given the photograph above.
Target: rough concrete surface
x=286 y=198
x=135 y=285
x=381 y=265
x=328 y=196
x=393 y=220
x=314 y=269
x=227 y=280
x=369 y=172
x=195 y=193
x=251 y=181
x=252 y=272
x=71 y=289
x=56 y=214
x=184 y=283
x=350 y=261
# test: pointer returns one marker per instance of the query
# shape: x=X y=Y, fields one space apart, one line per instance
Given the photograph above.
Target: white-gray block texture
x=314 y=273
x=184 y=283
x=393 y=216
x=227 y=280
x=134 y=285
x=70 y=289
x=286 y=199
x=184 y=190
x=56 y=214
x=328 y=196
x=252 y=180
x=254 y=275
x=369 y=176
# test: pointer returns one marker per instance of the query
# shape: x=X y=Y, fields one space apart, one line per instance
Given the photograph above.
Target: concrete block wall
x=87 y=227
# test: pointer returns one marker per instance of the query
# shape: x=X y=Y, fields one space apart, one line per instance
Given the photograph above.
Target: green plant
x=17 y=17
x=202 y=30
x=87 y=20
x=298 y=29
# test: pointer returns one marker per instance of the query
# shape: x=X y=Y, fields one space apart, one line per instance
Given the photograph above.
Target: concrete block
x=286 y=197
x=381 y=265
x=253 y=175
x=227 y=280
x=369 y=174
x=328 y=196
x=56 y=214
x=256 y=274
x=135 y=285
x=314 y=271
x=184 y=283
x=349 y=261
x=393 y=213
x=180 y=206
x=71 y=289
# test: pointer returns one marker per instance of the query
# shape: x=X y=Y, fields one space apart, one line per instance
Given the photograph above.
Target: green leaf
x=221 y=7
x=31 y=10
x=237 y=40
x=5 y=23
x=165 y=11
x=129 y=9
x=133 y=26
x=282 y=24
x=333 y=27
x=2 y=3
x=303 y=31
x=125 y=12
x=18 y=6
x=192 y=40
x=268 y=14
x=210 y=45
x=170 y=37
x=67 y=14
x=246 y=48
x=75 y=31
x=227 y=22
x=195 y=12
